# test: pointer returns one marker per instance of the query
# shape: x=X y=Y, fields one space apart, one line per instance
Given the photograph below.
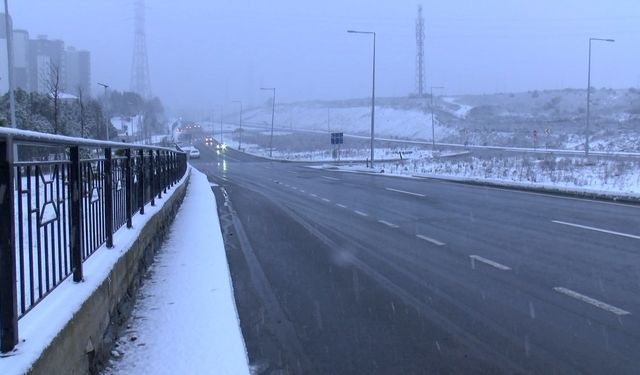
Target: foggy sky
x=205 y=53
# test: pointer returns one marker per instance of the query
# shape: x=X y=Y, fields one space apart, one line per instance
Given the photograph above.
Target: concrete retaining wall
x=86 y=341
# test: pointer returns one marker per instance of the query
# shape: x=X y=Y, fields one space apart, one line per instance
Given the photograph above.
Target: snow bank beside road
x=185 y=320
x=601 y=177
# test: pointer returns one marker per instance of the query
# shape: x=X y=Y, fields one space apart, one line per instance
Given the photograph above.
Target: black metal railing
x=54 y=214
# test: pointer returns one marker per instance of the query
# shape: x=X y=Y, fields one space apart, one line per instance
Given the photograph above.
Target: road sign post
x=337 y=139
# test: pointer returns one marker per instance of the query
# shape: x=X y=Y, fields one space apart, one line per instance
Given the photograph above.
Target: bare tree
x=53 y=84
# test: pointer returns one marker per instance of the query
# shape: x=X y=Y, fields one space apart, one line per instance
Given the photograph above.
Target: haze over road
x=348 y=273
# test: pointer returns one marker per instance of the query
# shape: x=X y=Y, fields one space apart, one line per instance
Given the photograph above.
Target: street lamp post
x=106 y=122
x=10 y=62
x=373 y=90
x=586 y=144
x=273 y=110
x=221 y=112
x=433 y=128
x=240 y=140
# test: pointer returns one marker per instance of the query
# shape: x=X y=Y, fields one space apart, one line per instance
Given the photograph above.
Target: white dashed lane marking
x=389 y=224
x=429 y=239
x=591 y=301
x=488 y=262
x=406 y=192
x=597 y=229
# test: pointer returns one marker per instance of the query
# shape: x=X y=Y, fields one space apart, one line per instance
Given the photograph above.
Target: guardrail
x=55 y=213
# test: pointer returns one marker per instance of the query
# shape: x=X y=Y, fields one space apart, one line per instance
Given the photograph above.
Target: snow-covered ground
x=617 y=177
x=462 y=109
x=185 y=320
x=502 y=119
x=407 y=123
x=127 y=126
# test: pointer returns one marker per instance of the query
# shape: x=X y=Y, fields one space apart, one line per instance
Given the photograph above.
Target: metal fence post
x=172 y=168
x=128 y=200
x=8 y=292
x=152 y=192
x=141 y=181
x=75 y=214
x=160 y=174
x=165 y=176
x=108 y=196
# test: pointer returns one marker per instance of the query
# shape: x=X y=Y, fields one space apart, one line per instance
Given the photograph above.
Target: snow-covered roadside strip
x=41 y=326
x=533 y=188
x=541 y=188
x=185 y=321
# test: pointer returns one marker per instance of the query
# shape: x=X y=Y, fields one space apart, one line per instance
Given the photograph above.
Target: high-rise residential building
x=78 y=67
x=46 y=61
x=38 y=61
x=21 y=59
x=4 y=70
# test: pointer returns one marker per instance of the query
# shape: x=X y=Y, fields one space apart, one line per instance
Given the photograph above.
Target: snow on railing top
x=37 y=137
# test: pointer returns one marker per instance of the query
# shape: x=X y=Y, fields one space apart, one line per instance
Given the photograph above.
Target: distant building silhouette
x=34 y=60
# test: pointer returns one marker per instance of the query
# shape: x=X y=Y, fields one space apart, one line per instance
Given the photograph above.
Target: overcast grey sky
x=204 y=53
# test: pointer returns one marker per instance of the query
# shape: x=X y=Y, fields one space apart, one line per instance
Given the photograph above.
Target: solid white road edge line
x=591 y=301
x=389 y=224
x=597 y=229
x=490 y=262
x=429 y=239
x=406 y=192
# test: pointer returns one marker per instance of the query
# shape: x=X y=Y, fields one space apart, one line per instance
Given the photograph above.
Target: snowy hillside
x=558 y=118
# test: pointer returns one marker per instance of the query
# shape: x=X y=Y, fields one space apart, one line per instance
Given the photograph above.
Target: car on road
x=194 y=153
x=221 y=146
x=191 y=151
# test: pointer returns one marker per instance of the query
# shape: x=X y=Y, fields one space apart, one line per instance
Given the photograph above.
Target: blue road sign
x=337 y=138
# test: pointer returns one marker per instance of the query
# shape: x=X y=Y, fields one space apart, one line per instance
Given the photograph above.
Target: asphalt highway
x=348 y=273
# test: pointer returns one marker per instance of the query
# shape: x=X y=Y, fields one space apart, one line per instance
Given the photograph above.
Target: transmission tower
x=420 y=53
x=140 y=82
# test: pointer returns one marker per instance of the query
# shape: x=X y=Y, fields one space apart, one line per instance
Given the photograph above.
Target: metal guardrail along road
x=54 y=214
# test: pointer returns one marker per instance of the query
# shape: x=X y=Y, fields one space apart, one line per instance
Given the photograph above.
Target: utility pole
x=433 y=127
x=586 y=144
x=240 y=141
x=373 y=89
x=107 y=120
x=273 y=110
x=140 y=81
x=420 y=53
x=10 y=62
x=221 y=141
